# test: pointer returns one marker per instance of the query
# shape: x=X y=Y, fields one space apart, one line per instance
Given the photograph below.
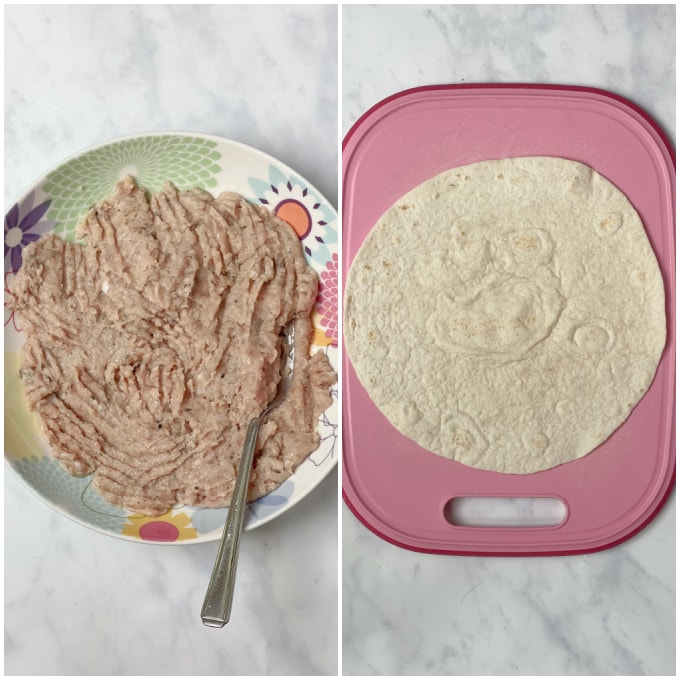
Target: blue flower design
x=293 y=201
x=23 y=225
x=272 y=502
x=207 y=520
x=71 y=495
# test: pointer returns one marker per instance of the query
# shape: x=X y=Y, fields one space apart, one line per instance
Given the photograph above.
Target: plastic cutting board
x=400 y=491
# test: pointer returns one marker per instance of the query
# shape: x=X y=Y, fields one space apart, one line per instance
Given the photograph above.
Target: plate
x=402 y=492
x=57 y=202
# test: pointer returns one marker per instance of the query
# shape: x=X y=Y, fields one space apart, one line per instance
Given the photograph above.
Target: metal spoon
x=219 y=596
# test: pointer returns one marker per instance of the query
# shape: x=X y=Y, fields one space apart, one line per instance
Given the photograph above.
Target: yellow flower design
x=166 y=528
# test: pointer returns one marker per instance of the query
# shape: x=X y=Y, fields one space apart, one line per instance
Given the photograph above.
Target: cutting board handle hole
x=499 y=511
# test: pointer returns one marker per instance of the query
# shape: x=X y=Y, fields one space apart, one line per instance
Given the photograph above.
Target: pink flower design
x=327 y=301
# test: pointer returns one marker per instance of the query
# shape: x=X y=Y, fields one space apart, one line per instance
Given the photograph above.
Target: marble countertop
x=81 y=603
x=605 y=613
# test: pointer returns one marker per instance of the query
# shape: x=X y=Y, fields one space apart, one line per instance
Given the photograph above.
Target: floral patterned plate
x=57 y=202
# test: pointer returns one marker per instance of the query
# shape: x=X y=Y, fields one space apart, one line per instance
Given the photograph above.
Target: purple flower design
x=23 y=225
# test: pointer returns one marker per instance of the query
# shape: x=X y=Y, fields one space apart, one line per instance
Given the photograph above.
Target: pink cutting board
x=399 y=490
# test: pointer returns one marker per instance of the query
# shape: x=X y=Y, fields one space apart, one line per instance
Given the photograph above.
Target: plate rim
x=266 y=157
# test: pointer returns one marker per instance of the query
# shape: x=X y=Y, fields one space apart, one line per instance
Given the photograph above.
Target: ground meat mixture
x=150 y=347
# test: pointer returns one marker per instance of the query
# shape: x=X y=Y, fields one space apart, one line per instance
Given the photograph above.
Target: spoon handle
x=220 y=593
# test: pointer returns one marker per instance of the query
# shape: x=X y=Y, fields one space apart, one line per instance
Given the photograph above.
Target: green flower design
x=73 y=187
x=73 y=495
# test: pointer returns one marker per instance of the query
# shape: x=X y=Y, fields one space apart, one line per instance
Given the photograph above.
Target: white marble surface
x=606 y=613
x=77 y=602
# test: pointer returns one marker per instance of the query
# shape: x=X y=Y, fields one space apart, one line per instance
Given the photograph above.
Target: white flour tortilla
x=508 y=314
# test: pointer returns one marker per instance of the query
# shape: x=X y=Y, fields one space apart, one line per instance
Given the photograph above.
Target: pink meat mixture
x=150 y=347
